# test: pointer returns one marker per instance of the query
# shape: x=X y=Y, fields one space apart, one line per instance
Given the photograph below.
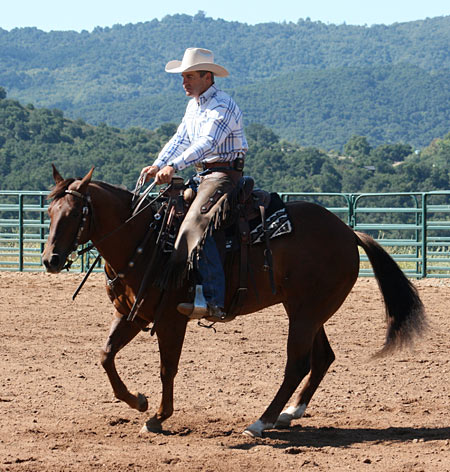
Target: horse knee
x=295 y=371
x=106 y=358
x=167 y=373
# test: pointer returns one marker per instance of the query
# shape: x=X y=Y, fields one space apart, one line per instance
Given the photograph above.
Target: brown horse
x=315 y=267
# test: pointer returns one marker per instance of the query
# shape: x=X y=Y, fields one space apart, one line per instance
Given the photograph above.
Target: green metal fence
x=413 y=227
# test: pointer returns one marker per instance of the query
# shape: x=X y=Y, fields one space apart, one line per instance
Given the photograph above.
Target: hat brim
x=175 y=67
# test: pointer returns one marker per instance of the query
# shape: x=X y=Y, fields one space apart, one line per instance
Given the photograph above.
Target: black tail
x=405 y=312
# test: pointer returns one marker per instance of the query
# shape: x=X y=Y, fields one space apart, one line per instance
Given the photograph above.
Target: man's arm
x=159 y=170
x=174 y=147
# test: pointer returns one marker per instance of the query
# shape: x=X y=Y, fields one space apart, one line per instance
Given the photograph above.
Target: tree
x=358 y=147
x=261 y=135
x=391 y=152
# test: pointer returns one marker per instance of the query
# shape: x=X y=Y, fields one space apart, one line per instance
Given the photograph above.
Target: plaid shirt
x=211 y=131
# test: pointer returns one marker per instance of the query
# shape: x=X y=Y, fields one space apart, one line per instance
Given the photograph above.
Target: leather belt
x=236 y=164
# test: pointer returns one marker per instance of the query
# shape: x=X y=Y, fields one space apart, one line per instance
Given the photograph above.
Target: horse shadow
x=298 y=436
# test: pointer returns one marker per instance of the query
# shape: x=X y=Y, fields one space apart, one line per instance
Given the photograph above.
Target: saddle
x=246 y=204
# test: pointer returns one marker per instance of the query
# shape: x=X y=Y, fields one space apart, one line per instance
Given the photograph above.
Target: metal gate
x=413 y=227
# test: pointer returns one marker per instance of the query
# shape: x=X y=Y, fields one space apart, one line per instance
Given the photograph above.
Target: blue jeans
x=211 y=273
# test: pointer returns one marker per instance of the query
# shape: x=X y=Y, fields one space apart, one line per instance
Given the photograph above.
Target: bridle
x=86 y=210
x=155 y=226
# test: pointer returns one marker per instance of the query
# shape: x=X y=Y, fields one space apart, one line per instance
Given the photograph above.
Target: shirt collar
x=207 y=94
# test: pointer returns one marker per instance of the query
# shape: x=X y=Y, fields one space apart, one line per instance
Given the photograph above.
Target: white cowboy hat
x=196 y=59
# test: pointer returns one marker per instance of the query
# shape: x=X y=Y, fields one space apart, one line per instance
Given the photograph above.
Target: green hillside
x=312 y=83
x=32 y=138
x=318 y=107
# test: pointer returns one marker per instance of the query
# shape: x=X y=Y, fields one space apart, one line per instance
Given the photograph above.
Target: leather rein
x=87 y=211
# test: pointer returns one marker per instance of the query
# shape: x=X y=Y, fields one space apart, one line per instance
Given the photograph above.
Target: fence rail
x=413 y=227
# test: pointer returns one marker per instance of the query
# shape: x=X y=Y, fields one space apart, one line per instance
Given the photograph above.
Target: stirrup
x=197 y=310
x=200 y=305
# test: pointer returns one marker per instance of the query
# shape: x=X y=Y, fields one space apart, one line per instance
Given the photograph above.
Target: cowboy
x=211 y=137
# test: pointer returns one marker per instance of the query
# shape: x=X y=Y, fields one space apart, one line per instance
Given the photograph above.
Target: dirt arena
x=58 y=412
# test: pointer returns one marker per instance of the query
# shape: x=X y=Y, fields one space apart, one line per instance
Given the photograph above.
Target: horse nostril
x=54 y=261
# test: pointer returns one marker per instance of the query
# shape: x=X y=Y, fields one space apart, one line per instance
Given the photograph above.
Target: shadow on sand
x=298 y=436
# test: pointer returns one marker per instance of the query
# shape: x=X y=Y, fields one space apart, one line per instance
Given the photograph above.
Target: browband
x=75 y=193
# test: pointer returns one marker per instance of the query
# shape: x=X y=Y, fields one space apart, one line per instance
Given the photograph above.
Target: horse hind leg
x=300 y=341
x=121 y=333
x=322 y=356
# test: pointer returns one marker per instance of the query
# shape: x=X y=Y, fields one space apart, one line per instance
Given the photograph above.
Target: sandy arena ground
x=58 y=412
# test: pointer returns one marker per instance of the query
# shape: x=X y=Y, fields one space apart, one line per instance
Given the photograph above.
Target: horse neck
x=114 y=240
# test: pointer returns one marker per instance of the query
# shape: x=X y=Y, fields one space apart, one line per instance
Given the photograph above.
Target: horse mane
x=59 y=190
x=113 y=188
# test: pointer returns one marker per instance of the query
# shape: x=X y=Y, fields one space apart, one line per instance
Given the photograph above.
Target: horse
x=314 y=269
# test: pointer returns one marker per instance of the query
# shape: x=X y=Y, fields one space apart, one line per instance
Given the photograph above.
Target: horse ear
x=86 y=179
x=56 y=175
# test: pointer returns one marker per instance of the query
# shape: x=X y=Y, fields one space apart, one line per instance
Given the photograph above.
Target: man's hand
x=164 y=176
x=149 y=172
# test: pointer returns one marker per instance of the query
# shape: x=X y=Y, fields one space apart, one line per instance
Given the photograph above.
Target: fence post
x=351 y=211
x=21 y=232
x=424 y=235
x=41 y=222
x=417 y=221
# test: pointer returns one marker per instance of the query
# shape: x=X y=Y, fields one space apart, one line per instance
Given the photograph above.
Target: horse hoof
x=291 y=413
x=256 y=429
x=151 y=426
x=142 y=403
x=251 y=434
x=284 y=420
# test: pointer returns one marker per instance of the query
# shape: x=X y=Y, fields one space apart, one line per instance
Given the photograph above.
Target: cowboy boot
x=216 y=312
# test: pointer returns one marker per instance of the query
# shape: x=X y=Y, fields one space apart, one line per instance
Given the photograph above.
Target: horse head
x=69 y=212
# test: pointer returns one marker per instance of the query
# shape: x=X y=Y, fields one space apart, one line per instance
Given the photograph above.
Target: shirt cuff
x=178 y=164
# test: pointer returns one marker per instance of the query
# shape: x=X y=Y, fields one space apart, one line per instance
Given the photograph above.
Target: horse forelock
x=59 y=190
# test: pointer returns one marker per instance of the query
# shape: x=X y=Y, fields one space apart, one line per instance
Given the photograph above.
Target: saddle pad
x=277 y=224
x=277 y=221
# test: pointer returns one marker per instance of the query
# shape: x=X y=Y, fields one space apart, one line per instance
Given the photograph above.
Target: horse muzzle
x=53 y=262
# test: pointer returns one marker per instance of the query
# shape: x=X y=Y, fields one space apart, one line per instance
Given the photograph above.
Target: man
x=211 y=137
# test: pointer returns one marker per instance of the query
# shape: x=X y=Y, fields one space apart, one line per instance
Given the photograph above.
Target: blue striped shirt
x=211 y=131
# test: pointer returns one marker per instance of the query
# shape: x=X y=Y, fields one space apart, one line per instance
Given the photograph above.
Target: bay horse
x=315 y=267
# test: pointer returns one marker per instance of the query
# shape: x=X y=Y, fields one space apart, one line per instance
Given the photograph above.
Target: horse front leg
x=121 y=333
x=171 y=331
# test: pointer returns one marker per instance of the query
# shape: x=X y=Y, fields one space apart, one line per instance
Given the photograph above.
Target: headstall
x=84 y=216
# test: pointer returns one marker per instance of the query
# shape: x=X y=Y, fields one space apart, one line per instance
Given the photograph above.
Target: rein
x=136 y=212
x=88 y=209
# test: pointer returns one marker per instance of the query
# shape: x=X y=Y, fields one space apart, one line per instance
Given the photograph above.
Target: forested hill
x=313 y=83
x=32 y=138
